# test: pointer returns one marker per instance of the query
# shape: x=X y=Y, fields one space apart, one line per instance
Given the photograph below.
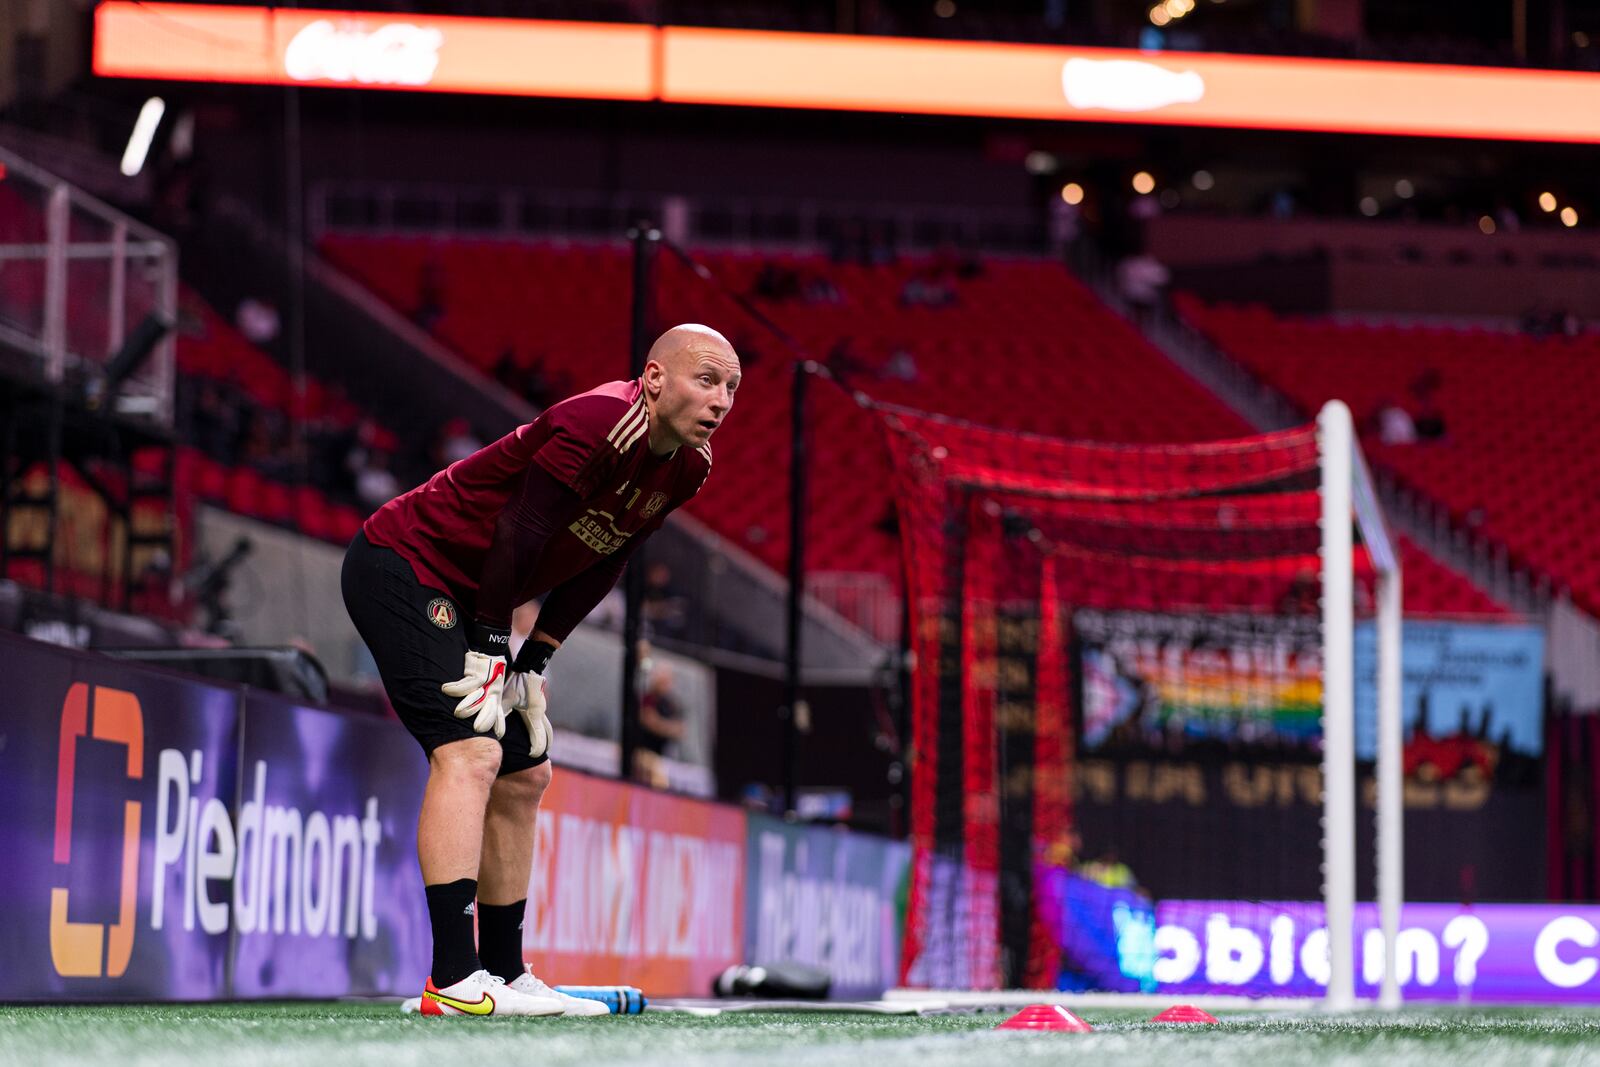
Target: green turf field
x=349 y=1035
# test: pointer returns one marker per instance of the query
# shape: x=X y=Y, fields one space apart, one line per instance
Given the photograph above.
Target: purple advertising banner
x=1490 y=953
x=960 y=940
x=327 y=893
x=138 y=845
x=825 y=897
x=116 y=782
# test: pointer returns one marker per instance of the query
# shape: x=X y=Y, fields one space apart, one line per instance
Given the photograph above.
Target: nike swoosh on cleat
x=484 y=1006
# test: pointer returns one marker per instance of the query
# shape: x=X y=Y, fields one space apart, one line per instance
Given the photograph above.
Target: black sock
x=450 y=908
x=500 y=938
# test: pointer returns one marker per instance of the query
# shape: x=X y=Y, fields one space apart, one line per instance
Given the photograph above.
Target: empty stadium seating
x=1518 y=461
x=209 y=348
x=1024 y=346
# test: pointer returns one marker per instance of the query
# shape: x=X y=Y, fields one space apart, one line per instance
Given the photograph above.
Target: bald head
x=689 y=381
x=684 y=342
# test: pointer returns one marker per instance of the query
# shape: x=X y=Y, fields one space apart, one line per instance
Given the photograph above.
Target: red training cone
x=1046 y=1017
x=1184 y=1013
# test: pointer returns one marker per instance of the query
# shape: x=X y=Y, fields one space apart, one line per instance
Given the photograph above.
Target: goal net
x=1137 y=763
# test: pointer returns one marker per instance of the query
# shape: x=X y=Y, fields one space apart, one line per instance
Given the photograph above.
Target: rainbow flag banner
x=1159 y=679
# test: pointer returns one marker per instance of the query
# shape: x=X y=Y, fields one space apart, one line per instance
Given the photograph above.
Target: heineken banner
x=827 y=898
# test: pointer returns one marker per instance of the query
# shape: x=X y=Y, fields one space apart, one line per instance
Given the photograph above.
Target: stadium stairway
x=1020 y=344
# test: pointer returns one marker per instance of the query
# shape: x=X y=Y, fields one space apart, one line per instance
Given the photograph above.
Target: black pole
x=646 y=238
x=792 y=707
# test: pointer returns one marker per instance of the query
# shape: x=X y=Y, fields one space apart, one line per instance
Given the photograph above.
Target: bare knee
x=472 y=762
x=524 y=789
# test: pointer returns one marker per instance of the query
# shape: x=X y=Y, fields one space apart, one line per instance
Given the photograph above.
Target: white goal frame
x=1349 y=502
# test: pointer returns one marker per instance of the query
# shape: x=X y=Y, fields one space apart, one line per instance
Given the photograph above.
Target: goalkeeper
x=555 y=507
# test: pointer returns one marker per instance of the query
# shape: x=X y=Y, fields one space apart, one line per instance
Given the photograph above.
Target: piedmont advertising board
x=825 y=898
x=101 y=904
x=140 y=872
x=169 y=839
x=327 y=890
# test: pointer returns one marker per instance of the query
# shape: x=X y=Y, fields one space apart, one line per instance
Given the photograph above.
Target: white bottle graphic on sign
x=1127 y=85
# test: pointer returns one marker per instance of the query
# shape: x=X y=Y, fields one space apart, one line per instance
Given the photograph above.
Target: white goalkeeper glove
x=525 y=692
x=482 y=684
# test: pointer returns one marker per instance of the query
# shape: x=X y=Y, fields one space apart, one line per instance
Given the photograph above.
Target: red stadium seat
x=1025 y=347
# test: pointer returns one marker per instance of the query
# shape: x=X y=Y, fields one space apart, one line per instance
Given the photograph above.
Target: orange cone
x=1184 y=1013
x=1046 y=1017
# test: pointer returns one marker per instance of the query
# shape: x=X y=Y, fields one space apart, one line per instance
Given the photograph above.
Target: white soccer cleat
x=529 y=983
x=481 y=993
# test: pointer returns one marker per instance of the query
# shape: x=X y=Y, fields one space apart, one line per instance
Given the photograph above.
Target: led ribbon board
x=830 y=71
x=363 y=50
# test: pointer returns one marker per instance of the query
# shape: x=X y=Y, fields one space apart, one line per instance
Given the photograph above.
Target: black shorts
x=419 y=640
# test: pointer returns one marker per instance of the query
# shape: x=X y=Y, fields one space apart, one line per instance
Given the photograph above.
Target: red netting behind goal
x=1140 y=601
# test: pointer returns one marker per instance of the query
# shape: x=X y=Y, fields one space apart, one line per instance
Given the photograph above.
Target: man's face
x=697 y=390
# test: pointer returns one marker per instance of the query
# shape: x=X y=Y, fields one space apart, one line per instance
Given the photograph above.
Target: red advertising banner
x=635 y=887
x=528 y=57
x=369 y=50
x=1119 y=85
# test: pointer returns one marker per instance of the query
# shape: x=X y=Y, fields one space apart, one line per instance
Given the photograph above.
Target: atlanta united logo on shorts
x=442 y=613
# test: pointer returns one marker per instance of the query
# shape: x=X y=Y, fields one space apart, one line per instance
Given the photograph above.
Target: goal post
x=1349 y=502
x=1141 y=659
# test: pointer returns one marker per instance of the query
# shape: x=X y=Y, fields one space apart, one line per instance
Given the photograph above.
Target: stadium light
x=1369 y=206
x=144 y=131
x=1159 y=16
x=1037 y=162
x=1143 y=183
x=1569 y=216
x=1485 y=225
x=1072 y=193
x=1202 y=180
x=1404 y=189
x=1547 y=202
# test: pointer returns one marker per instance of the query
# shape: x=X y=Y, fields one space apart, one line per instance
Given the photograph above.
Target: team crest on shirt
x=442 y=613
x=653 y=505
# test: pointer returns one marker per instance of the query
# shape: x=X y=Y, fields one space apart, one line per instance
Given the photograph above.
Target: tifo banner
x=1494 y=953
x=1254 y=679
x=1470 y=692
x=327 y=890
x=826 y=898
x=1213 y=724
x=634 y=886
x=117 y=784
x=1158 y=679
